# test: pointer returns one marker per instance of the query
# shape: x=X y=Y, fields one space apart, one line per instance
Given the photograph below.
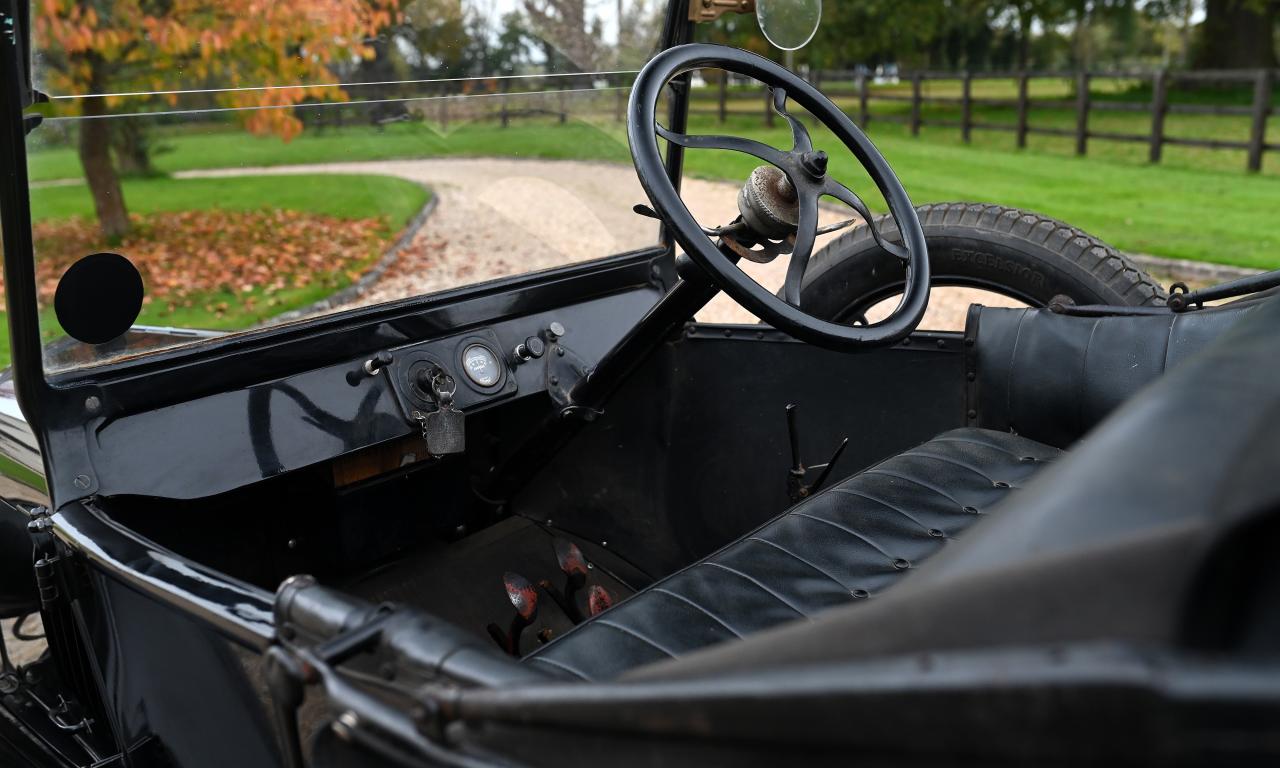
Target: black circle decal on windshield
x=98 y=298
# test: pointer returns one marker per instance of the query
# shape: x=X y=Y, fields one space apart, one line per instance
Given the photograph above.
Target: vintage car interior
x=550 y=519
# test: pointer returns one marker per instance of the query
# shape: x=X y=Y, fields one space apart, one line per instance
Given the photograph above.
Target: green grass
x=11 y=468
x=1187 y=213
x=1197 y=205
x=338 y=195
x=225 y=146
x=343 y=196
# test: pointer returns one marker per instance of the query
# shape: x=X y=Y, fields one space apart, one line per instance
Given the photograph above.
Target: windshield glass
x=266 y=162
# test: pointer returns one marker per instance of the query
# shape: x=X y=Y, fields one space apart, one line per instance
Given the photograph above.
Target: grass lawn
x=1198 y=205
x=226 y=146
x=1219 y=216
x=340 y=196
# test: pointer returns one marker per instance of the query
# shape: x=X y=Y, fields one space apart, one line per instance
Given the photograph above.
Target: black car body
x=160 y=509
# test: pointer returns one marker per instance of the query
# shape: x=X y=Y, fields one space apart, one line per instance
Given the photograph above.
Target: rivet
x=969 y=510
x=972 y=414
x=968 y=342
x=971 y=376
x=1000 y=484
x=860 y=593
x=727 y=333
x=92 y=403
x=906 y=342
x=604 y=543
x=759 y=334
x=901 y=564
x=934 y=532
x=291 y=543
x=555 y=381
x=942 y=343
x=559 y=351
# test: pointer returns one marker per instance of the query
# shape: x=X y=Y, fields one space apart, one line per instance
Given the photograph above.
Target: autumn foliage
x=221 y=261
x=258 y=56
x=135 y=46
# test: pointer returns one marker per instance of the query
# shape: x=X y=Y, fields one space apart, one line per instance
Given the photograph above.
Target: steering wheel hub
x=768 y=203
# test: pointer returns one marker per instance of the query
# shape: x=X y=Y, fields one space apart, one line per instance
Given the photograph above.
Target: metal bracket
x=706 y=11
x=564 y=370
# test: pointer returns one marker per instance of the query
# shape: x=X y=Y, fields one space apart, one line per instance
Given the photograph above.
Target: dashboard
x=229 y=439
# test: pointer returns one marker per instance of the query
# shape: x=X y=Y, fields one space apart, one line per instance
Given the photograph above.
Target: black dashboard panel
x=225 y=440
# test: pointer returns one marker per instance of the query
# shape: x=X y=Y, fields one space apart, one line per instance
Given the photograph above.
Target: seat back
x=1053 y=377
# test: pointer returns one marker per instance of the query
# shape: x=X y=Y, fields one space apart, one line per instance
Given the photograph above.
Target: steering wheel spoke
x=847 y=196
x=756 y=149
x=799 y=134
x=806 y=234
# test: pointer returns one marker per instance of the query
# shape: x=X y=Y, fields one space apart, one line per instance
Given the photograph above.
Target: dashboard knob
x=529 y=349
x=554 y=331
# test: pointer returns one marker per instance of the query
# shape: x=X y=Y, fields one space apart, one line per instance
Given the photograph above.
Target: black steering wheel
x=779 y=205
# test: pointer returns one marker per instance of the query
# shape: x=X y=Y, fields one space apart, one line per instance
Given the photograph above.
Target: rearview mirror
x=789 y=24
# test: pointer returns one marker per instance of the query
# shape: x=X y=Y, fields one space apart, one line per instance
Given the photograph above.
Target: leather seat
x=846 y=544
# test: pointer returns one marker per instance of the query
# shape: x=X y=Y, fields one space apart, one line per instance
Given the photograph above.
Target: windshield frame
x=20 y=289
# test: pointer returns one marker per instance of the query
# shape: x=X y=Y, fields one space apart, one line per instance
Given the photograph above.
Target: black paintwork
x=187 y=482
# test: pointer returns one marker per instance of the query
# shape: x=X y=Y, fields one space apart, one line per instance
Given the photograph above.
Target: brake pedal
x=524 y=598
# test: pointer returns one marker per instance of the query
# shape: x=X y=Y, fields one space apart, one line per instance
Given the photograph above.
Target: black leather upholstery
x=846 y=544
x=1054 y=377
x=1158 y=529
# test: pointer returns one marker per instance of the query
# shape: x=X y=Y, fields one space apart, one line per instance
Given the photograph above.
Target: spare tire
x=1016 y=253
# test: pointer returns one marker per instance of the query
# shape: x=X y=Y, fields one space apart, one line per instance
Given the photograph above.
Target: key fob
x=445 y=431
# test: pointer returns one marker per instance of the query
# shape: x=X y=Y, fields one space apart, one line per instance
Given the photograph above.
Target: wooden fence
x=1162 y=82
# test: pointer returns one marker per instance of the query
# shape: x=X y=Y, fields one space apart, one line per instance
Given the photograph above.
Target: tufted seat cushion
x=848 y=543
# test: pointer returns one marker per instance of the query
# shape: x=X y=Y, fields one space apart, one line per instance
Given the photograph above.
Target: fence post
x=864 y=116
x=1261 y=108
x=724 y=94
x=506 y=118
x=444 y=112
x=768 y=106
x=966 y=107
x=1082 y=113
x=560 y=104
x=915 y=104
x=1024 y=106
x=620 y=98
x=1159 y=106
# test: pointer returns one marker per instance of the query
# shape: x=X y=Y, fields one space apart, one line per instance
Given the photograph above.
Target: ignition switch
x=529 y=349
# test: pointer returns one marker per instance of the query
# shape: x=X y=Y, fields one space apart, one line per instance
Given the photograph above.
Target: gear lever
x=525 y=599
x=796 y=487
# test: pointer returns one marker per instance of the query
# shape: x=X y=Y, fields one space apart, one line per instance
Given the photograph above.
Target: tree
x=97 y=48
x=563 y=27
x=1238 y=34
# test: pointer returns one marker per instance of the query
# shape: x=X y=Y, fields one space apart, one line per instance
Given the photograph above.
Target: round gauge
x=481 y=365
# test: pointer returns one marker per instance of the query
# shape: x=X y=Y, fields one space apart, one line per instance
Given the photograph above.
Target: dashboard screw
x=81 y=481
x=92 y=403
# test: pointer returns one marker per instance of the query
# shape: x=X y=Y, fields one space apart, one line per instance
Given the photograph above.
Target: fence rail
x=1082 y=104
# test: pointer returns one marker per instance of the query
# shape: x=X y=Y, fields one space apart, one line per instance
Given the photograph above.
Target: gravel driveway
x=504 y=216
